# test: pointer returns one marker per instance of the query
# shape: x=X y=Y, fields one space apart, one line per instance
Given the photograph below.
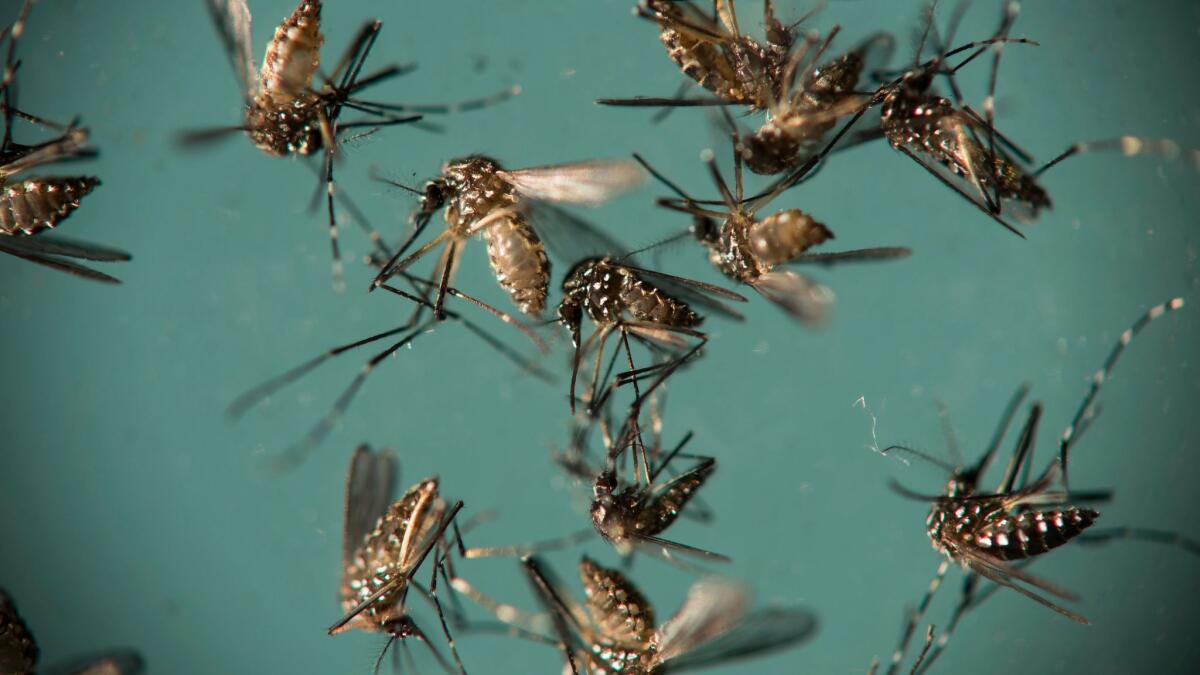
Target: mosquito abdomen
x=293 y=55
x=647 y=303
x=782 y=236
x=35 y=204
x=519 y=260
x=1031 y=533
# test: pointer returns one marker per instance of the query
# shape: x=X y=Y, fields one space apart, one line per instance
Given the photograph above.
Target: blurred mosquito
x=32 y=205
x=992 y=534
x=749 y=250
x=713 y=51
x=509 y=209
x=286 y=113
x=812 y=98
x=383 y=547
x=617 y=631
x=404 y=334
x=654 y=308
x=19 y=651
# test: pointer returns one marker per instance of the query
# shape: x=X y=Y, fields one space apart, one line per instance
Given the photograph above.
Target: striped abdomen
x=519 y=261
x=1031 y=533
x=35 y=204
x=706 y=64
x=657 y=515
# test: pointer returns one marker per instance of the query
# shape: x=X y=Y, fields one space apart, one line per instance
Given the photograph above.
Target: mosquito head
x=434 y=196
x=571 y=317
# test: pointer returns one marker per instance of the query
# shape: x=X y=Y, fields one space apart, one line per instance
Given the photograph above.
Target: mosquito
x=750 y=250
x=507 y=208
x=288 y=114
x=962 y=148
x=19 y=651
x=617 y=632
x=713 y=51
x=384 y=546
x=811 y=100
x=652 y=307
x=32 y=205
x=992 y=534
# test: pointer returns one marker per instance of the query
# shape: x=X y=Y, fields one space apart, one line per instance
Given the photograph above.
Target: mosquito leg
x=968 y=601
x=442 y=618
x=984 y=208
x=1165 y=537
x=522 y=550
x=1128 y=146
x=915 y=617
x=1101 y=376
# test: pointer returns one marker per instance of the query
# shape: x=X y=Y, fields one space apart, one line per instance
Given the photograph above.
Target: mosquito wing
x=1007 y=575
x=30 y=249
x=115 y=662
x=370 y=482
x=802 y=298
x=693 y=292
x=585 y=183
x=763 y=631
x=569 y=237
x=70 y=248
x=669 y=499
x=232 y=19
x=713 y=607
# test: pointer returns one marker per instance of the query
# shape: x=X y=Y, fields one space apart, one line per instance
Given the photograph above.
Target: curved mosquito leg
x=442 y=617
x=577 y=359
x=671 y=367
x=529 y=626
x=503 y=316
x=10 y=66
x=446 y=108
x=914 y=618
x=522 y=550
x=449 y=262
x=680 y=92
x=1101 y=376
x=924 y=650
x=594 y=388
x=597 y=404
x=1023 y=453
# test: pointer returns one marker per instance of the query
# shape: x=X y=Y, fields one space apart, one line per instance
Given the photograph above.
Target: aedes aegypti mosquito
x=19 y=651
x=509 y=209
x=617 y=632
x=383 y=547
x=287 y=113
x=713 y=51
x=32 y=205
x=750 y=250
x=993 y=534
x=651 y=307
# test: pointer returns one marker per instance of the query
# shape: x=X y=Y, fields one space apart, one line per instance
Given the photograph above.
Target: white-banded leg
x=914 y=617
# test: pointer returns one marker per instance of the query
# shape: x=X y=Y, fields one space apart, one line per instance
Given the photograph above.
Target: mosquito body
x=383 y=547
x=33 y=204
x=713 y=52
x=614 y=630
x=19 y=651
x=800 y=119
x=992 y=534
x=750 y=250
x=480 y=197
x=649 y=306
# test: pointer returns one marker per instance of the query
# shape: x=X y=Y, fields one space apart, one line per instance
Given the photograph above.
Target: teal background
x=132 y=512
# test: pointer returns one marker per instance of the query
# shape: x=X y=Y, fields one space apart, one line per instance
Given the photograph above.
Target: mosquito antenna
x=1101 y=376
x=663 y=179
x=375 y=175
x=940 y=463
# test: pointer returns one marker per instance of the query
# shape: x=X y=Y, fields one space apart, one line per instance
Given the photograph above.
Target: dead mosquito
x=509 y=209
x=31 y=205
x=750 y=250
x=962 y=148
x=713 y=51
x=617 y=631
x=994 y=534
x=383 y=547
x=19 y=651
x=653 y=308
x=287 y=113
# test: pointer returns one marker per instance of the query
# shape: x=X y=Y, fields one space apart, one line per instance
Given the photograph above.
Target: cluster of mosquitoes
x=809 y=99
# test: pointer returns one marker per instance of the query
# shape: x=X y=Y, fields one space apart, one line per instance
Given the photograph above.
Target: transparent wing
x=696 y=293
x=763 y=631
x=71 y=248
x=232 y=19
x=1004 y=574
x=370 y=482
x=802 y=298
x=586 y=183
x=713 y=607
x=569 y=237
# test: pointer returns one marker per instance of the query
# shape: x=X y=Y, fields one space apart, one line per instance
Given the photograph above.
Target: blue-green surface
x=132 y=512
